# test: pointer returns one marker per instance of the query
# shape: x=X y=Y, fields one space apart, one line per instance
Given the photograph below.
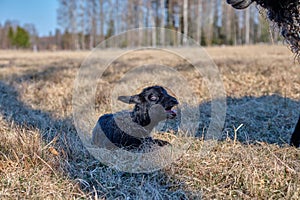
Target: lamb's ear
x=130 y=99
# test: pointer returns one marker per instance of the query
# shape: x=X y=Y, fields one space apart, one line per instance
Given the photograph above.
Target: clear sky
x=41 y=13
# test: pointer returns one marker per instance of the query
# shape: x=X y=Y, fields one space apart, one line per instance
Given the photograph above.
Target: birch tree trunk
x=101 y=20
x=199 y=23
x=141 y=19
x=73 y=21
x=162 y=23
x=82 y=23
x=185 y=21
x=247 y=26
x=153 y=32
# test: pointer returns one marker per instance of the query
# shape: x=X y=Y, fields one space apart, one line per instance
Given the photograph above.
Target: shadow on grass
x=77 y=163
x=268 y=118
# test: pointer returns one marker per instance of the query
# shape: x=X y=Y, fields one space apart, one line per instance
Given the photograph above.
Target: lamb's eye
x=153 y=98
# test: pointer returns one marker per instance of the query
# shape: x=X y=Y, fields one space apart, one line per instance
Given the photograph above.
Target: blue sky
x=42 y=13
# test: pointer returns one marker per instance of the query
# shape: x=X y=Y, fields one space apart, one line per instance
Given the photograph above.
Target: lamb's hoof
x=161 y=143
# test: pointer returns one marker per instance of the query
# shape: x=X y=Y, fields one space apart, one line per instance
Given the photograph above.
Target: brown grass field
x=41 y=156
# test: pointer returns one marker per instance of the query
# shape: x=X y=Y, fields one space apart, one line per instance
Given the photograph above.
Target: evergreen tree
x=20 y=39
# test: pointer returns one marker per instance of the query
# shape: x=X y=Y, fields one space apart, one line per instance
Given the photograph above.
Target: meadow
x=42 y=157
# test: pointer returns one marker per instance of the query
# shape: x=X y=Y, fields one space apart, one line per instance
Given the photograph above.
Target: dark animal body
x=131 y=130
x=286 y=15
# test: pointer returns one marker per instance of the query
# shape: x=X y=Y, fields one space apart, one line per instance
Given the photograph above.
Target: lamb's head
x=152 y=105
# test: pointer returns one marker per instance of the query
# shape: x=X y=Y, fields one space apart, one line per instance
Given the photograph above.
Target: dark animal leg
x=295 y=140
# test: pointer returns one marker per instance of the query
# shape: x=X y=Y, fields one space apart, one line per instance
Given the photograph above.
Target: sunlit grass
x=41 y=155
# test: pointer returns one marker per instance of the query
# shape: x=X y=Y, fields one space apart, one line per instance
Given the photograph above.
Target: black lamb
x=131 y=130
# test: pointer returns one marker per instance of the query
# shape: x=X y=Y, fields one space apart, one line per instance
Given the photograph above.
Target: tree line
x=14 y=36
x=85 y=23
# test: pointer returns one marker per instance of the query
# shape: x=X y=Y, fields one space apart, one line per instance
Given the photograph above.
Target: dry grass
x=29 y=169
x=41 y=156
